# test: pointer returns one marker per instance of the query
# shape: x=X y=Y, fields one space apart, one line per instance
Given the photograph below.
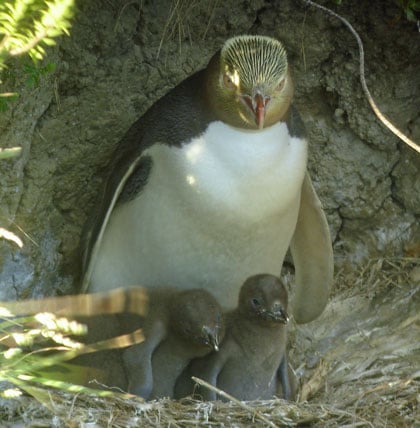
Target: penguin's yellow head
x=249 y=82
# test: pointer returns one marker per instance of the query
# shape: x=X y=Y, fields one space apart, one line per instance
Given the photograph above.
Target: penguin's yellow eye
x=228 y=81
x=281 y=84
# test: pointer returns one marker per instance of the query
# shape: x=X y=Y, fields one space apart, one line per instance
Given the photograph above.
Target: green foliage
x=30 y=70
x=410 y=7
x=29 y=25
x=34 y=351
x=34 y=71
x=5 y=100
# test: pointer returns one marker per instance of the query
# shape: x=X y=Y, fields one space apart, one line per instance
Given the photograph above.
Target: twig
x=235 y=400
x=165 y=28
x=372 y=103
x=315 y=382
x=119 y=300
x=350 y=415
x=210 y=18
x=139 y=3
x=25 y=233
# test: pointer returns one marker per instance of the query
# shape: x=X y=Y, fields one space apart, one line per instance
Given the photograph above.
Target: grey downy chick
x=247 y=364
x=180 y=326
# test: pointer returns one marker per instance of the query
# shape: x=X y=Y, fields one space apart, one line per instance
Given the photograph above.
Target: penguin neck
x=259 y=341
x=245 y=153
x=252 y=330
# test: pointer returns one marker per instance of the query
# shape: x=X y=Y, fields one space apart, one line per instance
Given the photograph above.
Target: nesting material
x=359 y=364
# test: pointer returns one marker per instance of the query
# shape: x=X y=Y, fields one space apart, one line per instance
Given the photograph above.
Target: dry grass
x=177 y=26
x=359 y=364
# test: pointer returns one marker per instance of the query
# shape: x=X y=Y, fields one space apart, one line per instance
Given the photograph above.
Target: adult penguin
x=210 y=186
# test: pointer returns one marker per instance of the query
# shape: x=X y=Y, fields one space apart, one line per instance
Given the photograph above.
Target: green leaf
x=41 y=395
x=50 y=67
x=409 y=13
x=4 y=105
x=25 y=22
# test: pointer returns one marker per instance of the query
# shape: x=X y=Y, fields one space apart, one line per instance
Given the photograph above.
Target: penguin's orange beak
x=259 y=105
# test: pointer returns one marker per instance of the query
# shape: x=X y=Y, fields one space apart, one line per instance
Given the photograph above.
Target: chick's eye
x=280 y=86
x=256 y=303
x=228 y=81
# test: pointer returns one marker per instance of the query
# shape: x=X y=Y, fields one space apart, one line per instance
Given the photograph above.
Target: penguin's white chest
x=213 y=212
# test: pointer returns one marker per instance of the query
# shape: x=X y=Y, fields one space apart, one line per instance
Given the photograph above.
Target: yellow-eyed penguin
x=180 y=326
x=254 y=347
x=210 y=186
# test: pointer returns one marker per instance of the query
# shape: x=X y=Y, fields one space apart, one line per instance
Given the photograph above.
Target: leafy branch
x=27 y=25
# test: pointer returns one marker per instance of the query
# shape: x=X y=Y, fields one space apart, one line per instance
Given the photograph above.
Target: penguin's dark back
x=175 y=118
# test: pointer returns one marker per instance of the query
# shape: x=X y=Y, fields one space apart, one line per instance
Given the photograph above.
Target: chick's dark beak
x=281 y=315
x=277 y=314
x=211 y=338
x=214 y=343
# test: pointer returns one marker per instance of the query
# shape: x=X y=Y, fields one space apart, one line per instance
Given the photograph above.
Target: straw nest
x=359 y=366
